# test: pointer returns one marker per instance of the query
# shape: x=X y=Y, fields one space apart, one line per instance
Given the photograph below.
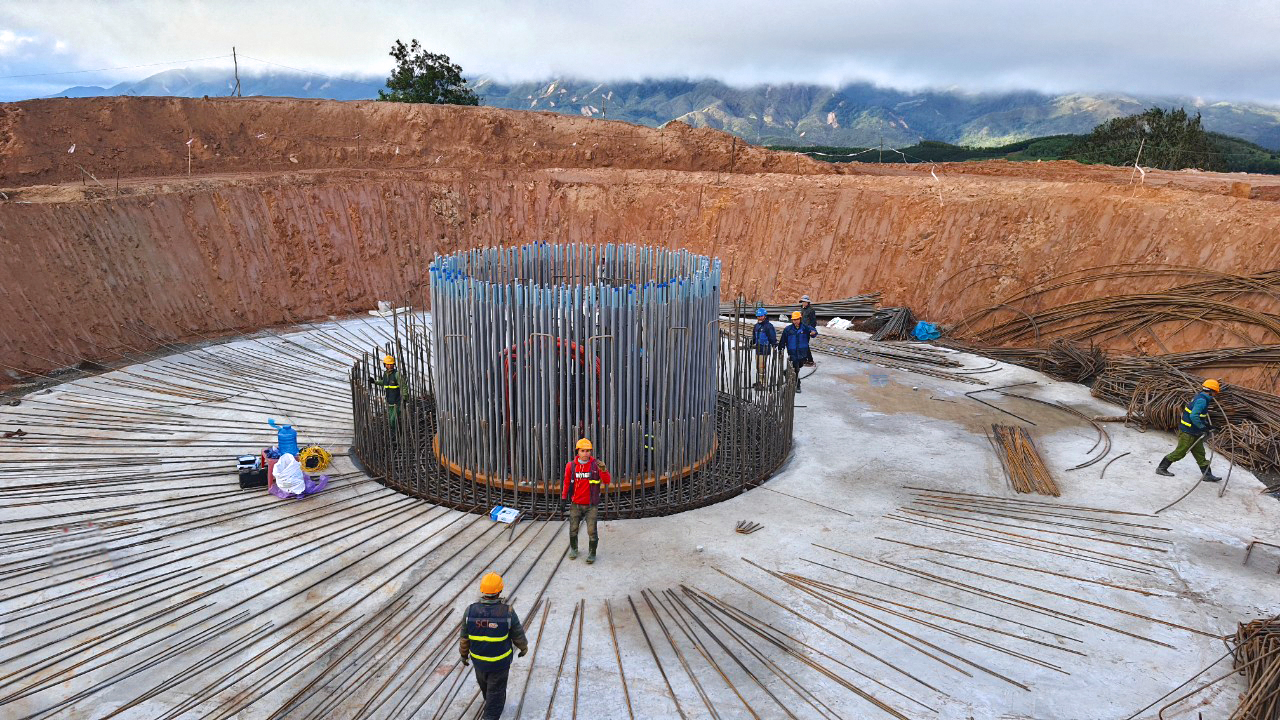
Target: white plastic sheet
x=288 y=474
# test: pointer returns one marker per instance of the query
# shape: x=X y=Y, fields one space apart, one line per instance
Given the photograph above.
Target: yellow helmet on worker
x=1212 y=384
x=388 y=360
x=491 y=584
x=583 y=444
x=795 y=315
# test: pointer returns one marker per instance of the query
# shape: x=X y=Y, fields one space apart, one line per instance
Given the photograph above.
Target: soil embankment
x=91 y=272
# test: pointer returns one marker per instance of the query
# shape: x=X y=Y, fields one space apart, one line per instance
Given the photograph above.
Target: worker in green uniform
x=1193 y=427
x=390 y=383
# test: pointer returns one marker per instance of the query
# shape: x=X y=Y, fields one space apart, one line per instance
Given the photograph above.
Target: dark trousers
x=577 y=513
x=798 y=361
x=493 y=688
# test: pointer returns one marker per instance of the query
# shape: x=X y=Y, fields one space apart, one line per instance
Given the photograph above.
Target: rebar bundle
x=1257 y=656
x=1219 y=301
x=856 y=307
x=532 y=348
x=1063 y=360
x=1021 y=460
x=891 y=323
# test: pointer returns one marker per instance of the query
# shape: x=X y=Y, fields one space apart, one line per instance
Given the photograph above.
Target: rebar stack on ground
x=534 y=347
x=1063 y=359
x=1217 y=302
x=853 y=308
x=1021 y=460
x=1257 y=656
x=892 y=323
x=921 y=359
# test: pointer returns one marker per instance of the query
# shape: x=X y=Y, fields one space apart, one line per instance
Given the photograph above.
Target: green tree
x=424 y=77
x=1169 y=139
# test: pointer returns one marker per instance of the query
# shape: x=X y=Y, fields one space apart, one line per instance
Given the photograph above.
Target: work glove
x=522 y=653
x=466 y=660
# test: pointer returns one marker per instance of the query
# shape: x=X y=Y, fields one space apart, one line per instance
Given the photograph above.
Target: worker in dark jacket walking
x=584 y=481
x=808 y=316
x=1193 y=428
x=390 y=383
x=765 y=338
x=795 y=338
x=490 y=628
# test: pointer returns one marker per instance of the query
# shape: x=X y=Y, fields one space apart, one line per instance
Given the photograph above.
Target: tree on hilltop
x=1169 y=140
x=423 y=77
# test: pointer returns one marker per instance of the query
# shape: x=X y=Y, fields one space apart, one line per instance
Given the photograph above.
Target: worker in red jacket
x=585 y=478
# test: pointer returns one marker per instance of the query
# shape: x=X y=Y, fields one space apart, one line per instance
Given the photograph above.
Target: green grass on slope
x=1238 y=155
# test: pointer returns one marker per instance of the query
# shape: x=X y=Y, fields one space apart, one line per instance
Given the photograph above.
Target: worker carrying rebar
x=490 y=628
x=585 y=478
x=795 y=338
x=765 y=338
x=809 y=317
x=390 y=384
x=1194 y=430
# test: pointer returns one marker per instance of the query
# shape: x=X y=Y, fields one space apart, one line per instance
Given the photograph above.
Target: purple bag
x=312 y=486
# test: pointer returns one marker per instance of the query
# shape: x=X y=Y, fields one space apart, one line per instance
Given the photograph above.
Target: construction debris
x=1021 y=460
x=747 y=527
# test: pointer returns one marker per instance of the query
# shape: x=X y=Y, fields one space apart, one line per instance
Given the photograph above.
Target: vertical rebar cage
x=531 y=348
x=539 y=345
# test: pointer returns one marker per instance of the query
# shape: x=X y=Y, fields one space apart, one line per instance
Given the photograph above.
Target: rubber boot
x=573 y=547
x=1163 y=469
x=591 y=545
x=1207 y=475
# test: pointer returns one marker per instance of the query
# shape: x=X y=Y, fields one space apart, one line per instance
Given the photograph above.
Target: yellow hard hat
x=388 y=360
x=583 y=444
x=1213 y=385
x=491 y=584
x=795 y=315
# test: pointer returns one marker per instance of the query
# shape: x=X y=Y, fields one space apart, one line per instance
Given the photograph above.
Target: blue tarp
x=926 y=331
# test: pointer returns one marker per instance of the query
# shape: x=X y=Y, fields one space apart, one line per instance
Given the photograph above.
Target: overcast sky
x=1214 y=49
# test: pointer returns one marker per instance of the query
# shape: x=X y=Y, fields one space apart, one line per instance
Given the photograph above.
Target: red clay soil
x=254 y=239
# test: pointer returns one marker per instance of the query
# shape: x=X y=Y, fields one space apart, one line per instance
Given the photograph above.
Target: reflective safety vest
x=489 y=630
x=1199 y=422
x=391 y=386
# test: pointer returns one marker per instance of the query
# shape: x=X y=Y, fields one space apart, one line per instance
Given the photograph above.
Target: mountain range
x=856 y=114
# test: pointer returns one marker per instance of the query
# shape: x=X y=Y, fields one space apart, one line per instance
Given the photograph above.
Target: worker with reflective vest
x=390 y=383
x=1193 y=426
x=490 y=628
x=584 y=480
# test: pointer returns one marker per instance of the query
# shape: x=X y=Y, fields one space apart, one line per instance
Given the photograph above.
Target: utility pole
x=1136 y=167
x=881 y=160
x=236 y=62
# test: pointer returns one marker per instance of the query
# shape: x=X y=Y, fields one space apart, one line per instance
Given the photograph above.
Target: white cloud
x=1219 y=49
x=11 y=42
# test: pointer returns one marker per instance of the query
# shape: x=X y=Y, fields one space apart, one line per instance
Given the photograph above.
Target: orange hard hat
x=795 y=315
x=583 y=444
x=1212 y=384
x=491 y=584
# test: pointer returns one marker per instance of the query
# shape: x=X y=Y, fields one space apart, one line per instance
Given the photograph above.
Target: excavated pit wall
x=86 y=278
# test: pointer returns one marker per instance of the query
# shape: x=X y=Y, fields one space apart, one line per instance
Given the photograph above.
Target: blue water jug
x=286 y=438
